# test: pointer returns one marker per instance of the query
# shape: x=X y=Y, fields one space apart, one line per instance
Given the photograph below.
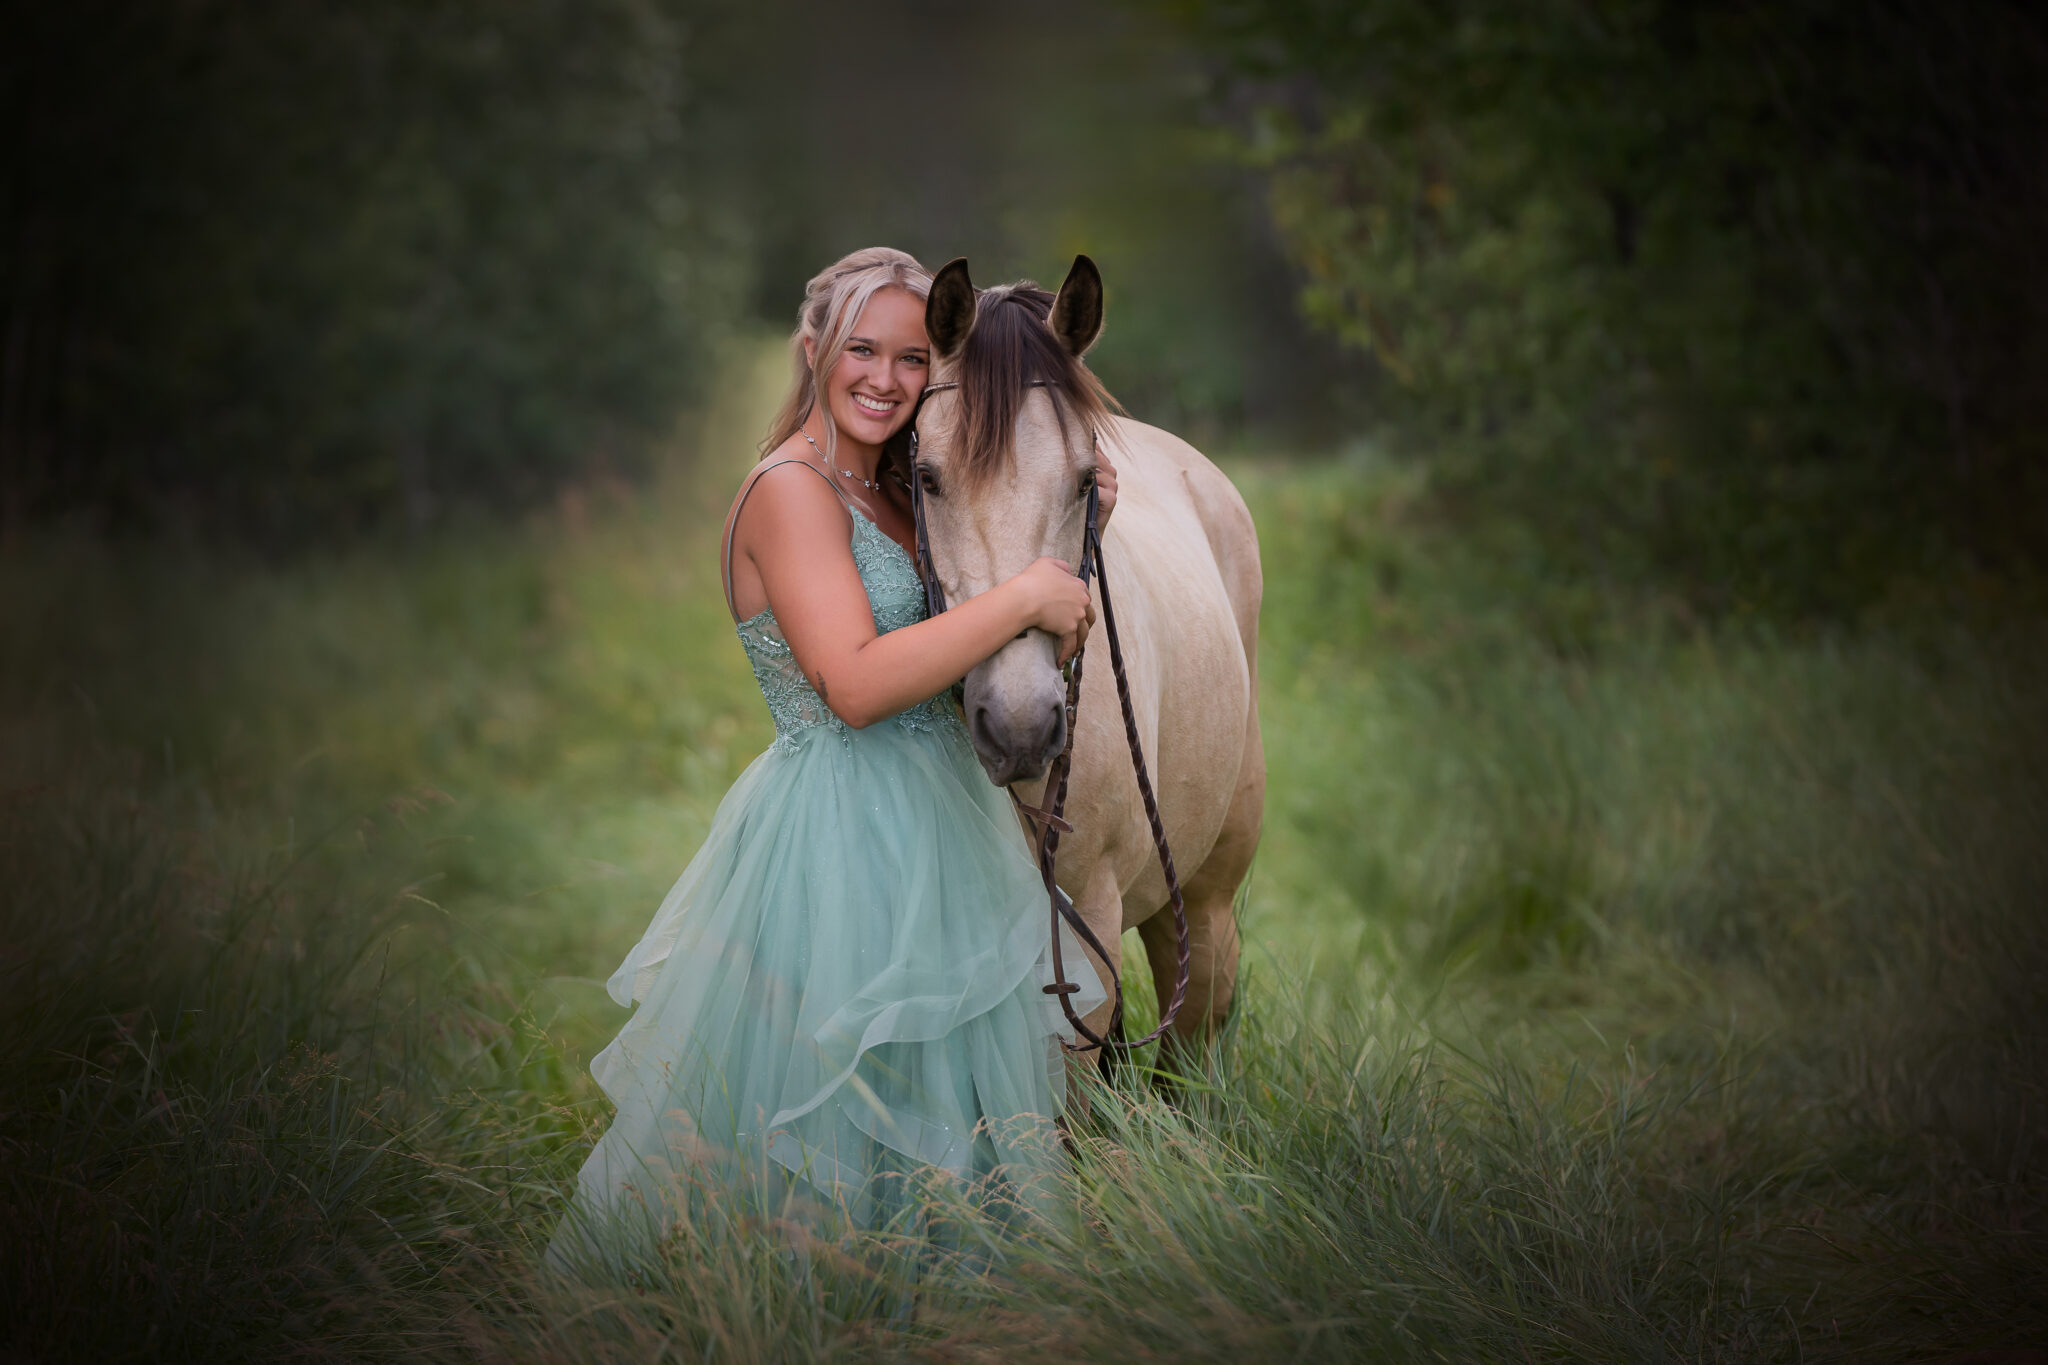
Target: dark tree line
x=279 y=271
x=1749 y=298
x=1743 y=299
x=303 y=269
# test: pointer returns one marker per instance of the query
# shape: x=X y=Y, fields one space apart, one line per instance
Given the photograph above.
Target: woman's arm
x=794 y=530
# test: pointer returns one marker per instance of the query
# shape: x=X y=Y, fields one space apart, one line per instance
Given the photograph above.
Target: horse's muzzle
x=1017 y=747
x=1015 y=706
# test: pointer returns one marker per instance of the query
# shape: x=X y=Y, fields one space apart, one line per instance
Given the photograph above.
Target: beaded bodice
x=896 y=598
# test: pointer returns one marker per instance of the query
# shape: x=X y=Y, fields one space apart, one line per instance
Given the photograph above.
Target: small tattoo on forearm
x=823 y=694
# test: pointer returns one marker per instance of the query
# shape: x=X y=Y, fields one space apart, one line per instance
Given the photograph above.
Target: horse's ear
x=1077 y=312
x=949 y=312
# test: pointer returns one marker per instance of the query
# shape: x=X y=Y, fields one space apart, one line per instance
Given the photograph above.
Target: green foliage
x=239 y=1104
x=290 y=270
x=1530 y=774
x=1741 y=297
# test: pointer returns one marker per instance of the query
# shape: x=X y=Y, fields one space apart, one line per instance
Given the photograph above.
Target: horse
x=1006 y=445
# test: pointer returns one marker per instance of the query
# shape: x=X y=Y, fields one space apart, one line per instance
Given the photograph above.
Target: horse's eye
x=1087 y=482
x=927 y=480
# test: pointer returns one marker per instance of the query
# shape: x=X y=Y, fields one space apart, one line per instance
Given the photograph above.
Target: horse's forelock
x=1010 y=346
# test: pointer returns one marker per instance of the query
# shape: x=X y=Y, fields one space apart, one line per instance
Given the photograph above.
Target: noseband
x=1050 y=822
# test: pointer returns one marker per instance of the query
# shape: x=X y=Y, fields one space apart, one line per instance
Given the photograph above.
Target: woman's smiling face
x=881 y=370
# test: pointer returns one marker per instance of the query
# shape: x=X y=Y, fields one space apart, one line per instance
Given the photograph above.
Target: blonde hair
x=832 y=305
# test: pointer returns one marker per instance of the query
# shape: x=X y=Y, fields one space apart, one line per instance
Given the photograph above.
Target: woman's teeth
x=875 y=405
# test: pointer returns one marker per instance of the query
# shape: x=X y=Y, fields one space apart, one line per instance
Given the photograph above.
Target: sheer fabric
x=843 y=987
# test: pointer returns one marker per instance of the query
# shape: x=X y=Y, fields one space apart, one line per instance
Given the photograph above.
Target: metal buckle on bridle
x=1050 y=817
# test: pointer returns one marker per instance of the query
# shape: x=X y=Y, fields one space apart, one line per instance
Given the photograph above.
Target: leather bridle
x=1050 y=819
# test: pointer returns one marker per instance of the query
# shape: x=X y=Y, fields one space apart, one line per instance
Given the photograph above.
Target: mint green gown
x=844 y=986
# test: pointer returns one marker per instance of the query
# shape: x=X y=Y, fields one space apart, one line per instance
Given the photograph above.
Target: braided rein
x=1050 y=818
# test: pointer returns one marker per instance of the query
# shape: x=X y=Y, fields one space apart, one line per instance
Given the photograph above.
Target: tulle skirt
x=840 y=997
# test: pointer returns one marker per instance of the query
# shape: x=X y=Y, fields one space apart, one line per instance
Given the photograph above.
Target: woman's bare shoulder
x=785 y=490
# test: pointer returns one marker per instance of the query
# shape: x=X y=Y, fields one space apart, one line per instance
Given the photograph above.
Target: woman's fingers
x=1062 y=608
x=1071 y=643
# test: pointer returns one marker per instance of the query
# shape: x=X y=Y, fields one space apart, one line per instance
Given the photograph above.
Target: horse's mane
x=1010 y=345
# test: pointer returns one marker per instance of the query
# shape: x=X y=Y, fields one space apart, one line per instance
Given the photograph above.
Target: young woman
x=843 y=989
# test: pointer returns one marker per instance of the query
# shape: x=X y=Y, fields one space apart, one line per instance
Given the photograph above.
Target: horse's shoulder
x=1208 y=490
x=1156 y=443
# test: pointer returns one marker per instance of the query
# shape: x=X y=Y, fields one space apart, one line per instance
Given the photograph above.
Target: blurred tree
x=1017 y=137
x=292 y=269
x=280 y=271
x=1748 y=297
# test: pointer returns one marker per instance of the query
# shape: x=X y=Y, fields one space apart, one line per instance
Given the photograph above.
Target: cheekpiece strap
x=928 y=574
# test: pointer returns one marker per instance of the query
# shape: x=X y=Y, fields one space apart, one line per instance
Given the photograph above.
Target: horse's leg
x=1101 y=905
x=1210 y=895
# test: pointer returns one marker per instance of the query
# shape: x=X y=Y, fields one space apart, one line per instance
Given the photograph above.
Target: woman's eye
x=861 y=351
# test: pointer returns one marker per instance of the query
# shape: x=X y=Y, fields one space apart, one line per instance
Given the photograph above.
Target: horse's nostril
x=1013 y=745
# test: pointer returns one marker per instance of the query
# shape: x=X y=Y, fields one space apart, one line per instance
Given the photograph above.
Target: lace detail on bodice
x=895 y=596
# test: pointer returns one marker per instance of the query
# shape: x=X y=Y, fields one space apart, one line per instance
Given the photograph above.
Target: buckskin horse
x=1004 y=450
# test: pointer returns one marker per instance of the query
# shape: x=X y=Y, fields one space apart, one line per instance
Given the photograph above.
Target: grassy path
x=1617 y=992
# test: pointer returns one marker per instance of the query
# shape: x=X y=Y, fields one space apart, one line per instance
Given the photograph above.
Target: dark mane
x=1010 y=345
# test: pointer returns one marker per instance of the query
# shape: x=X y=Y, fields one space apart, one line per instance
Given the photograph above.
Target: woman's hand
x=1055 y=601
x=793 y=530
x=1105 y=488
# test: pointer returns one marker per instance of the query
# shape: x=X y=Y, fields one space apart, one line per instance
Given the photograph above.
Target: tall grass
x=1617 y=989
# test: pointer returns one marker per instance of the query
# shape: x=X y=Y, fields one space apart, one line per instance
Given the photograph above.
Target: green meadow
x=1619 y=986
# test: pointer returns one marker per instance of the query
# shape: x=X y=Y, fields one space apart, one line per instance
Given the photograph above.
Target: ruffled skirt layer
x=843 y=989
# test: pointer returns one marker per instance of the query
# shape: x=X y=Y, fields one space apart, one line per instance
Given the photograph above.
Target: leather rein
x=1050 y=819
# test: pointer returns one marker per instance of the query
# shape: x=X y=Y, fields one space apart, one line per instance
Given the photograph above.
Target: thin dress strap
x=732 y=521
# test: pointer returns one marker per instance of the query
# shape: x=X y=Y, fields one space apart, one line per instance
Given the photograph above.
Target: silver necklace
x=843 y=473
